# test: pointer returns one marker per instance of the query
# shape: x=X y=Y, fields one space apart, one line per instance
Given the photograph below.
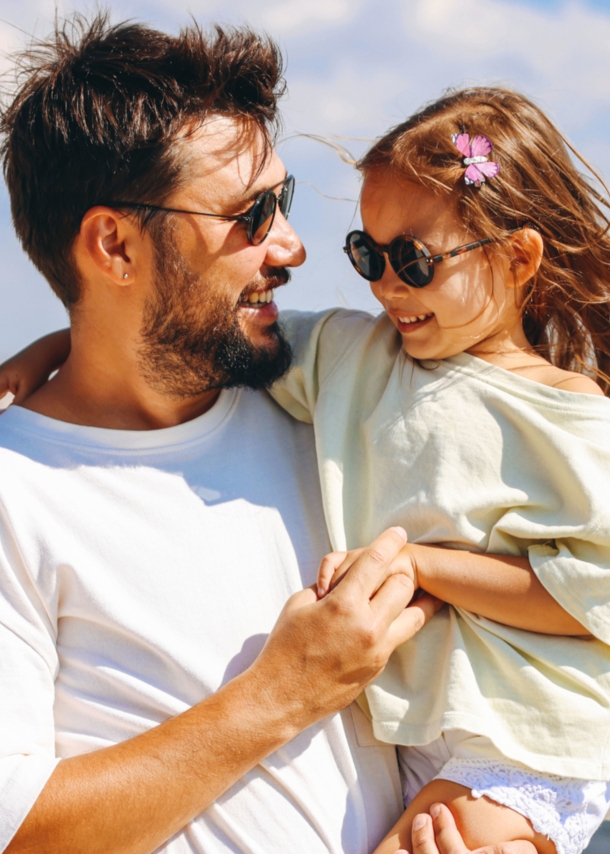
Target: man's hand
x=327 y=650
x=438 y=834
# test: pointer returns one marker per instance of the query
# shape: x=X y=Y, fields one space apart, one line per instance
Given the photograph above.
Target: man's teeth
x=414 y=318
x=260 y=296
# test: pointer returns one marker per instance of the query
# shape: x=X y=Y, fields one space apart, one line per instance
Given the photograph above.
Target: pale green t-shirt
x=466 y=454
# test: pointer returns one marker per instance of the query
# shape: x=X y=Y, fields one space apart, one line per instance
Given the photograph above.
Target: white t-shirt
x=139 y=572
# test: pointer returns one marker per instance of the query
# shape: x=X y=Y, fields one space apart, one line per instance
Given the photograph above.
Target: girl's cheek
x=376 y=293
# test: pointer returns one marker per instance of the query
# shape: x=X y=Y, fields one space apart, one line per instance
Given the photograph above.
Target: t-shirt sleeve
x=563 y=524
x=576 y=572
x=319 y=341
x=28 y=665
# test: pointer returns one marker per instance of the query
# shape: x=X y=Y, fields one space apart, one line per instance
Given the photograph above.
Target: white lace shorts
x=565 y=810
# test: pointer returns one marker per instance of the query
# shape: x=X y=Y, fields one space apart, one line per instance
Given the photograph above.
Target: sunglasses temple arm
x=459 y=250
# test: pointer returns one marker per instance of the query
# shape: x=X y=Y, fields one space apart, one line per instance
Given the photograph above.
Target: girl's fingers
x=330 y=564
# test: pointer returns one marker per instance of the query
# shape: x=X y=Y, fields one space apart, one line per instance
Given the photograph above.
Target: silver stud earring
x=125 y=275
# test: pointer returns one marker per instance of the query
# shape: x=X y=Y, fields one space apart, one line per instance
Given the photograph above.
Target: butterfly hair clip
x=478 y=166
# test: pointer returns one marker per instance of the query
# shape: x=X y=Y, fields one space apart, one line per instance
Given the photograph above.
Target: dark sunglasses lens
x=364 y=256
x=286 y=196
x=263 y=214
x=409 y=263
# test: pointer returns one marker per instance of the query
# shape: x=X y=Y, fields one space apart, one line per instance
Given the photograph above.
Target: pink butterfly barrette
x=478 y=167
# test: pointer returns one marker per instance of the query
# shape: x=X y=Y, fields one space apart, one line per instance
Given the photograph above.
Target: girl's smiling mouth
x=410 y=322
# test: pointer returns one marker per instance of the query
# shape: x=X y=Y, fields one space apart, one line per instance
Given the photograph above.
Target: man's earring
x=125 y=275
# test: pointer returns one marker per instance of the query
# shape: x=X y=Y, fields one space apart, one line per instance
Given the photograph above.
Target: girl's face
x=467 y=305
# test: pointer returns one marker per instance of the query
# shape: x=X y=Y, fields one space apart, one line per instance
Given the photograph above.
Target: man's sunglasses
x=258 y=219
x=412 y=262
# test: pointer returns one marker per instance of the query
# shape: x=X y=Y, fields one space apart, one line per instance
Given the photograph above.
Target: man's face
x=208 y=322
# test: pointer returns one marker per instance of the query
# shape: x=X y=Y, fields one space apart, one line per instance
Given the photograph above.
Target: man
x=155 y=519
x=155 y=515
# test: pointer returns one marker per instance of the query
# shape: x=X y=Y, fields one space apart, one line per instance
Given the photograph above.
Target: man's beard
x=192 y=340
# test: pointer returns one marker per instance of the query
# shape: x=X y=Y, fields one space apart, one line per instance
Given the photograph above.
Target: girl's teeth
x=414 y=319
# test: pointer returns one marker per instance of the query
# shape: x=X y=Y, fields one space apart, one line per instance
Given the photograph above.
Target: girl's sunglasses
x=410 y=260
x=258 y=219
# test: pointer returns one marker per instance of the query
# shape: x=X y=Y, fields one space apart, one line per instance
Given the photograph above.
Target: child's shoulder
x=549 y=375
x=533 y=367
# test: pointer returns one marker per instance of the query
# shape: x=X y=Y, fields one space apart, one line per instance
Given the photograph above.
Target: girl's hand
x=335 y=565
x=22 y=374
x=439 y=835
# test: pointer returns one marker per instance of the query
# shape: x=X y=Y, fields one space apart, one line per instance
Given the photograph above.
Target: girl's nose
x=390 y=285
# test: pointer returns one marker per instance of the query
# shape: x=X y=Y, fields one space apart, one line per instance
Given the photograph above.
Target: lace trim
x=555 y=806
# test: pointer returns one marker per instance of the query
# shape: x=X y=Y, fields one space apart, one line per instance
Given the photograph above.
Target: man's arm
x=130 y=798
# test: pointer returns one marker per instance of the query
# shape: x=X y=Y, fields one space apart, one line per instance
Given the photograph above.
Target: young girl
x=468 y=414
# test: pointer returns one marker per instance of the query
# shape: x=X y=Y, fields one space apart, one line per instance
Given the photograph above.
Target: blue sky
x=355 y=67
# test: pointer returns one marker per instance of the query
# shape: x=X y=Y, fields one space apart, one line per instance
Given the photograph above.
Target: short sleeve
x=319 y=342
x=28 y=665
x=576 y=572
x=563 y=522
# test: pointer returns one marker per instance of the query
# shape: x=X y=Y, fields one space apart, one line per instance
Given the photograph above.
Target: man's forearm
x=498 y=587
x=130 y=798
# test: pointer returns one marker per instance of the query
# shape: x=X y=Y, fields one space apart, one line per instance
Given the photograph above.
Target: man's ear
x=109 y=243
x=526 y=247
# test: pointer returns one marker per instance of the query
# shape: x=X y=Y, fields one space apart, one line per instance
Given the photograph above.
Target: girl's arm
x=31 y=367
x=499 y=587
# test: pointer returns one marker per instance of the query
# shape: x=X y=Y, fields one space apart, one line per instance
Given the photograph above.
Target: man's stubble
x=192 y=339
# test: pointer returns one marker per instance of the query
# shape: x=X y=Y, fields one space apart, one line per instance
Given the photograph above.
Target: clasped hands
x=336 y=564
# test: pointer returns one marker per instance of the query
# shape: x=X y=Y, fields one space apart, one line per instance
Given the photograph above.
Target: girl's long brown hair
x=566 y=310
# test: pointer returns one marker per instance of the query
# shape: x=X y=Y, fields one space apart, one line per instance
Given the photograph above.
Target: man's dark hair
x=97 y=113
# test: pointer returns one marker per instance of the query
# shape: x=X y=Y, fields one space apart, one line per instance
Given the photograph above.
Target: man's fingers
x=422 y=836
x=439 y=835
x=392 y=597
x=446 y=834
x=411 y=619
x=373 y=563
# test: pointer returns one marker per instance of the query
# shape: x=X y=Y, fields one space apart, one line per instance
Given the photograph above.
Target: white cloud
x=567 y=48
x=297 y=15
x=343 y=99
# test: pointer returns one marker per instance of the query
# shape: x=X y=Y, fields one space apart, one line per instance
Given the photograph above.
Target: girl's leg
x=480 y=821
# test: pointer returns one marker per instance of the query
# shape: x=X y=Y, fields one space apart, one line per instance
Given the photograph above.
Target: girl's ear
x=526 y=248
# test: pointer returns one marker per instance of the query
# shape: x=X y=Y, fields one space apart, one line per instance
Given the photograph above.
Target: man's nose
x=284 y=247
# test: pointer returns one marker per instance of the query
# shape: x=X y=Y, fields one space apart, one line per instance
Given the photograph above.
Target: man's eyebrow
x=253 y=196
